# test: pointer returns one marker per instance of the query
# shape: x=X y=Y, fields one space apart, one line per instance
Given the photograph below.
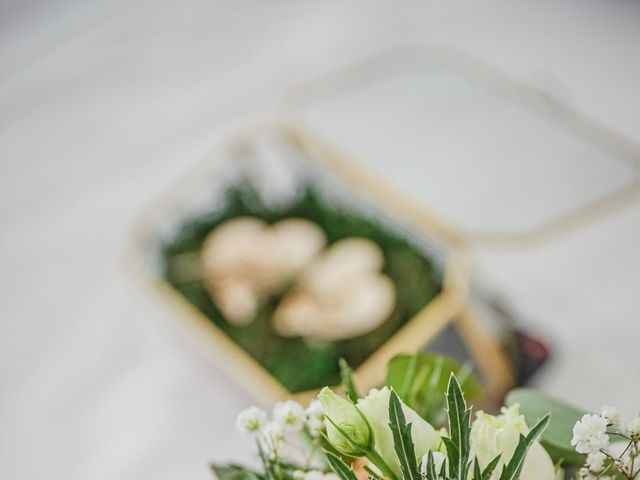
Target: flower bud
x=354 y=434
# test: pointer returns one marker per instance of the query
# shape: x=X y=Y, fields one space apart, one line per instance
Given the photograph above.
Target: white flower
x=375 y=406
x=632 y=427
x=493 y=435
x=274 y=436
x=274 y=431
x=314 y=409
x=314 y=475
x=290 y=415
x=315 y=426
x=298 y=475
x=438 y=460
x=626 y=463
x=251 y=421
x=315 y=422
x=584 y=473
x=589 y=434
x=611 y=414
x=330 y=476
x=595 y=461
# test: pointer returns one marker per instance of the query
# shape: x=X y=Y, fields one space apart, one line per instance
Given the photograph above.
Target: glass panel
x=470 y=147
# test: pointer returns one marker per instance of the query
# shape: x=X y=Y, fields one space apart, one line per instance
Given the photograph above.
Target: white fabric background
x=102 y=104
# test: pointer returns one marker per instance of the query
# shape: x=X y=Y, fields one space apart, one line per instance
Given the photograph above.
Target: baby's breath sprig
x=282 y=456
x=591 y=435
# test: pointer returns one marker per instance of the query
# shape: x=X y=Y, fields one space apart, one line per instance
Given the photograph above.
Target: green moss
x=298 y=365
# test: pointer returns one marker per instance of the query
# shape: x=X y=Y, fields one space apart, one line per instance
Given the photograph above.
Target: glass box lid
x=488 y=157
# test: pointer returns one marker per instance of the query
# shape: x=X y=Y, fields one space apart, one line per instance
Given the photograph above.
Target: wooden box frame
x=447 y=307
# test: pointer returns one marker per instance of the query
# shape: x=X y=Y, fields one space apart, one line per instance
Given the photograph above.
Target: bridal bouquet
x=381 y=435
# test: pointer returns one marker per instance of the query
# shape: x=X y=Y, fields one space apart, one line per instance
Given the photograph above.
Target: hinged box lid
x=490 y=158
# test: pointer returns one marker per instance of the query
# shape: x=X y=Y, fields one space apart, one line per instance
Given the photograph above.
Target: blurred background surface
x=104 y=104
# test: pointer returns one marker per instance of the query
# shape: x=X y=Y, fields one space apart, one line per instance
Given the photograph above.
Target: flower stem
x=379 y=462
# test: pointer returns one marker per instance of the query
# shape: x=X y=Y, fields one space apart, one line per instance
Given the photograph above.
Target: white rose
x=492 y=435
x=375 y=406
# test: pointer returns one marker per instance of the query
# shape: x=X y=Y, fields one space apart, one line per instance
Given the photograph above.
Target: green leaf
x=402 y=441
x=477 y=474
x=556 y=440
x=421 y=382
x=269 y=472
x=346 y=377
x=408 y=377
x=512 y=470
x=443 y=470
x=372 y=475
x=488 y=471
x=457 y=444
x=234 y=472
x=431 y=468
x=341 y=468
x=453 y=451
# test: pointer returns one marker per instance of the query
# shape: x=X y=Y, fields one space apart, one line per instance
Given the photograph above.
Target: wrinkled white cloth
x=103 y=104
